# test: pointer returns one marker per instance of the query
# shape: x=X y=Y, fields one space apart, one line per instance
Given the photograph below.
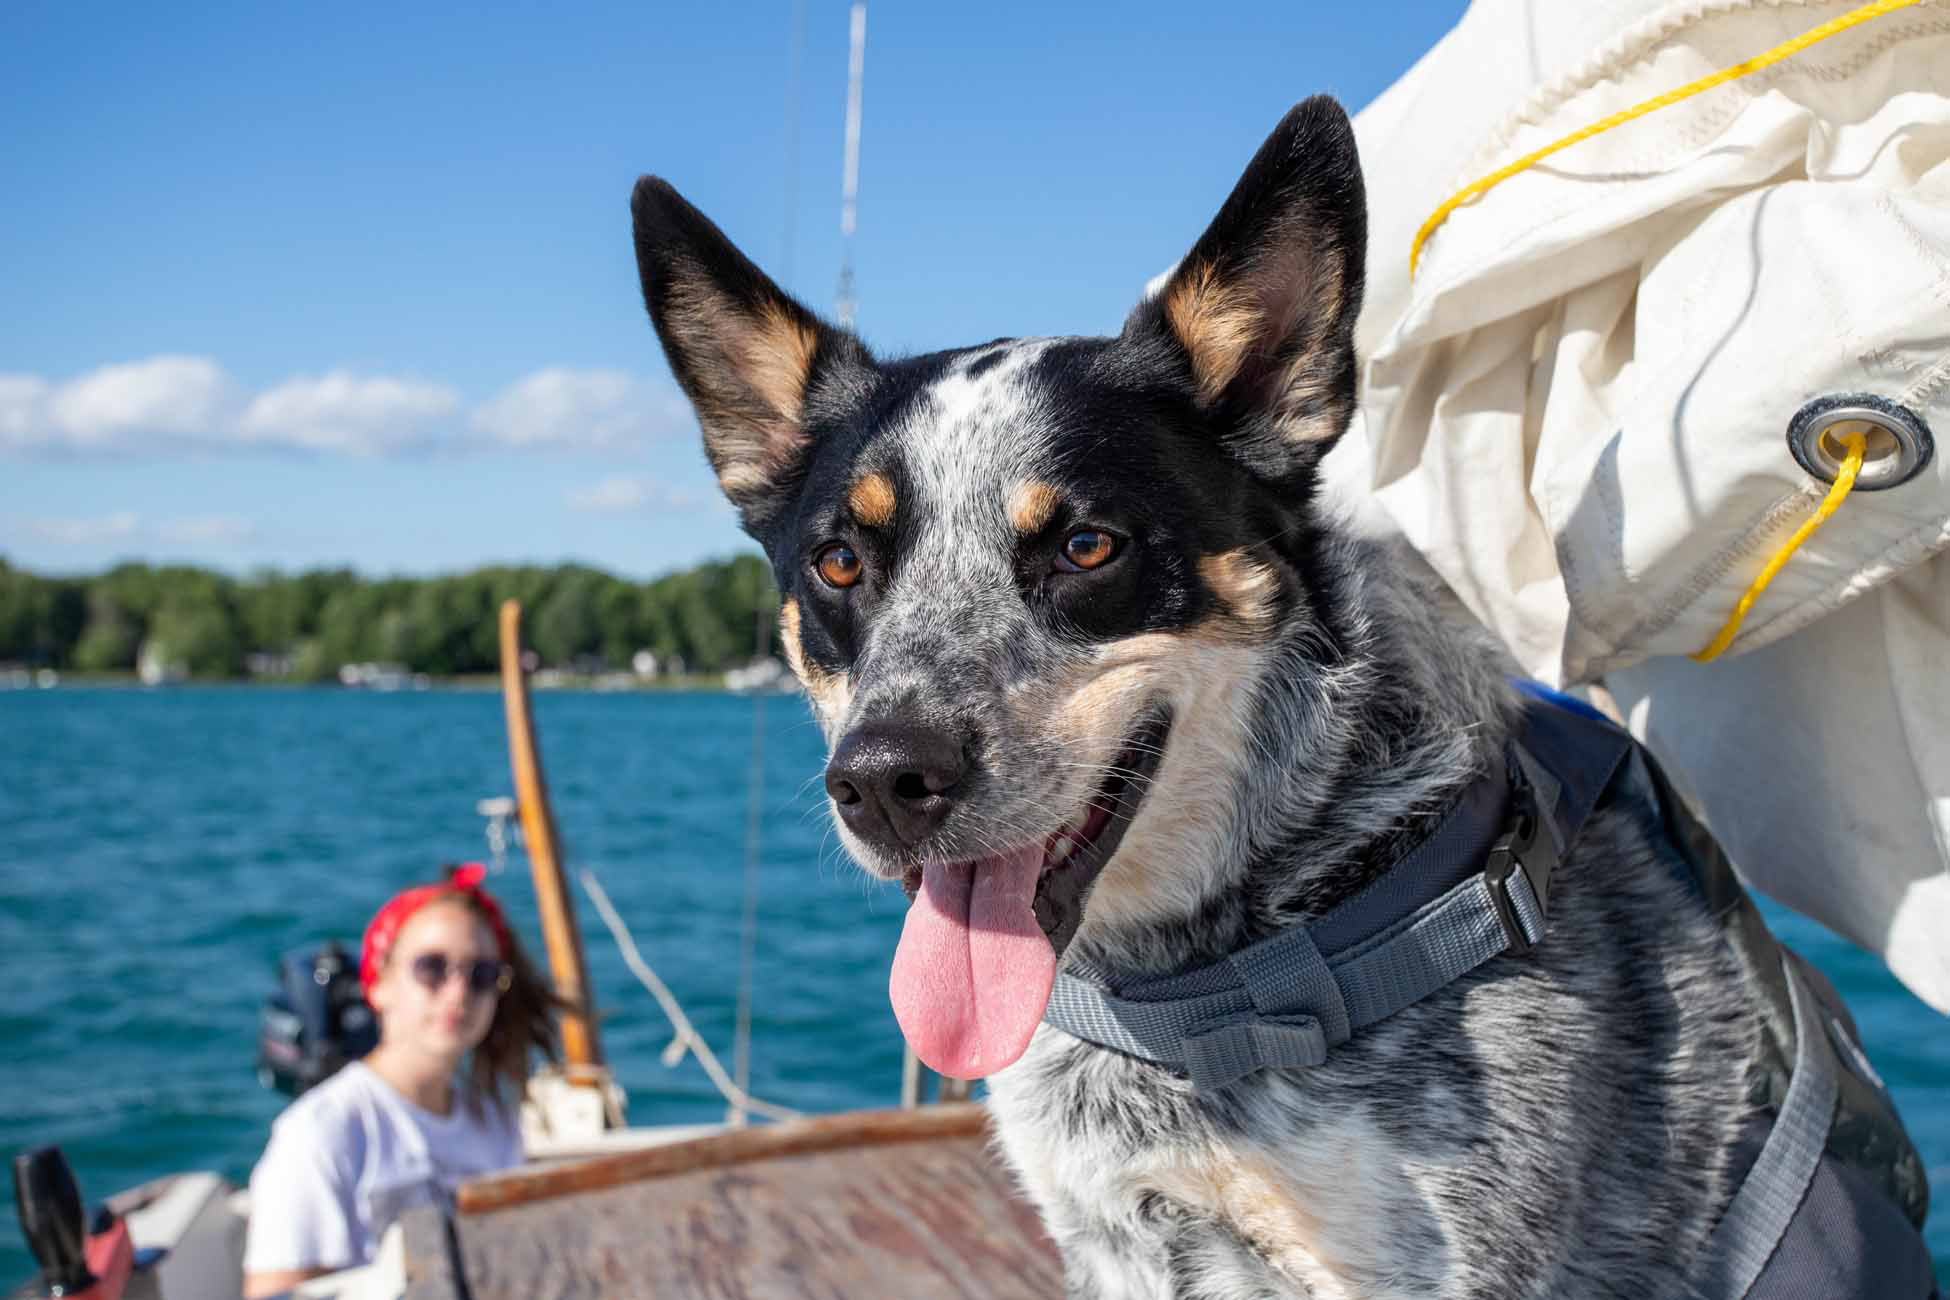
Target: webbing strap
x=1291 y=1004
x=1751 y=1229
x=1460 y=897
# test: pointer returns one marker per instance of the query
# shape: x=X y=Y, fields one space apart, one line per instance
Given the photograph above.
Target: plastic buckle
x=1525 y=844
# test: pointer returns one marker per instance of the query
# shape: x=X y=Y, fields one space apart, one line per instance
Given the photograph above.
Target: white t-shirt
x=351 y=1155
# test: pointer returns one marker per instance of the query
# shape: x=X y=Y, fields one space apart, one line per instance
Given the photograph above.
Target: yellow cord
x=1833 y=27
x=1857 y=447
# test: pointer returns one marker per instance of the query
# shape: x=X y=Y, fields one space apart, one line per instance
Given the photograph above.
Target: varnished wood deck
x=874 y=1203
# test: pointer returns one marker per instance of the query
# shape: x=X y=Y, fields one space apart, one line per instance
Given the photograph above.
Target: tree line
x=304 y=626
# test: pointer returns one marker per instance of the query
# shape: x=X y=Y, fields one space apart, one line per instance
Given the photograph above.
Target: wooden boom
x=564 y=941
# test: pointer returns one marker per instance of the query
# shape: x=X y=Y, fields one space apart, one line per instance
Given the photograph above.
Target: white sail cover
x=1577 y=408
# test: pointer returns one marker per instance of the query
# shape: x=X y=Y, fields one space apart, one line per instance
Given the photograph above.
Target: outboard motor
x=315 y=1022
x=78 y=1261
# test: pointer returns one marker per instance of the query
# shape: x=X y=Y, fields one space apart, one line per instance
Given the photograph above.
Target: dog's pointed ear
x=745 y=352
x=1262 y=309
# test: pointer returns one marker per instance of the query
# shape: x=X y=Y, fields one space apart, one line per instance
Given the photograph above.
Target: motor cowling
x=315 y=1020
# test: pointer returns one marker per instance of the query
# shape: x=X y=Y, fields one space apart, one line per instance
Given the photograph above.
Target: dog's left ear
x=1262 y=309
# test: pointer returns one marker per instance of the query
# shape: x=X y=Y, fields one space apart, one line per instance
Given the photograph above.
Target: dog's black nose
x=895 y=782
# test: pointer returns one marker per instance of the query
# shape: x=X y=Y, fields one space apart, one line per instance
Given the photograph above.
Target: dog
x=1106 y=685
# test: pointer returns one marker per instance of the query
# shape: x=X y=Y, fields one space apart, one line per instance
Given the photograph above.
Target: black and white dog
x=1104 y=682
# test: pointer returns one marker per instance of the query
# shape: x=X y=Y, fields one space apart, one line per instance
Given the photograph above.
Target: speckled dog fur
x=1556 y=1124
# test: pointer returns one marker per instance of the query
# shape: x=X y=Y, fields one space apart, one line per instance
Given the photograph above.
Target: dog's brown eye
x=1087 y=549
x=838 y=565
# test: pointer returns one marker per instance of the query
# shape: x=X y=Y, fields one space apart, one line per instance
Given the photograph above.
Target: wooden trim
x=580 y=1045
x=851 y=1130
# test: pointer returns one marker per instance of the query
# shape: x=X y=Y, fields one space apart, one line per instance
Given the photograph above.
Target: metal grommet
x=1899 y=443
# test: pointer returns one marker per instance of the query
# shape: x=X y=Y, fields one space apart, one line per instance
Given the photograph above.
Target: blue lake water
x=158 y=849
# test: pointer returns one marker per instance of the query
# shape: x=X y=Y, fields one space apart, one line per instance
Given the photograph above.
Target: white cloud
x=182 y=403
x=128 y=526
x=560 y=407
x=175 y=398
x=89 y=530
x=342 y=412
x=623 y=493
x=163 y=395
x=615 y=493
x=23 y=410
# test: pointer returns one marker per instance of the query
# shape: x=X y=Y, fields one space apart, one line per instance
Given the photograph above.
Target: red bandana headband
x=388 y=920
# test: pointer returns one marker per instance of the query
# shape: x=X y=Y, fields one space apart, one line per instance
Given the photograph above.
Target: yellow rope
x=1853 y=18
x=1857 y=446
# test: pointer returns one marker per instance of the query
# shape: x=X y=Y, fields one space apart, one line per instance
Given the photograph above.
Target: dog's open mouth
x=977 y=957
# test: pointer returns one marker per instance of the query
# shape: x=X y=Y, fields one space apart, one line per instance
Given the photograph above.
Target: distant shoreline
x=711 y=623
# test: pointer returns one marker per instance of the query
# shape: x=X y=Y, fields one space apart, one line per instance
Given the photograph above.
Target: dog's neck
x=1377 y=710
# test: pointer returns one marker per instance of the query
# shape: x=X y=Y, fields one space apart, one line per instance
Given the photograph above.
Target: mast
x=856 y=69
x=580 y=1046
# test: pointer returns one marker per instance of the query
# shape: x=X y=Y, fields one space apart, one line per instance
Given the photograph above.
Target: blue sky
x=352 y=284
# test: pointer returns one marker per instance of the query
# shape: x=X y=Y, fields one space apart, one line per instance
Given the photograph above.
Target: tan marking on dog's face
x=795 y=655
x=1216 y=324
x=1207 y=675
x=871 y=500
x=1032 y=505
x=1248 y=588
x=829 y=692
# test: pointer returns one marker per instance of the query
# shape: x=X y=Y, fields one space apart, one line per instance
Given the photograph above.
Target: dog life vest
x=1833 y=1195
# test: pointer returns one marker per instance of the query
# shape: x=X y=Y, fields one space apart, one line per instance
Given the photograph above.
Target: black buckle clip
x=1527 y=844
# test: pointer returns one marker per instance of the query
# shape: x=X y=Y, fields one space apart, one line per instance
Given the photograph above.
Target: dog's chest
x=1140 y=1185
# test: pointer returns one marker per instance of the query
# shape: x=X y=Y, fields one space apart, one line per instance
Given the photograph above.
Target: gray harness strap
x=1287 y=1003
x=1288 y=999
x=1758 y=1216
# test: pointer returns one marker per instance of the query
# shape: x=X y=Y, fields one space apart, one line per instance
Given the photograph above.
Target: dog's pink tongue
x=973 y=971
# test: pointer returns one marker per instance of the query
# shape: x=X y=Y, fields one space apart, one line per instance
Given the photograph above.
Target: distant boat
x=154 y=667
x=766 y=676
x=382 y=677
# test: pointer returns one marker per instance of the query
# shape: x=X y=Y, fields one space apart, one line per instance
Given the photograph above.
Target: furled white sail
x=1577 y=408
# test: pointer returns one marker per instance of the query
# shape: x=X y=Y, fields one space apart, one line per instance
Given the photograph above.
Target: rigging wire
x=856 y=70
x=741 y=1049
x=741 y=1043
x=794 y=94
x=686 y=1038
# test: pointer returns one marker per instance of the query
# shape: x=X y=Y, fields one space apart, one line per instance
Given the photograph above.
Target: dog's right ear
x=745 y=352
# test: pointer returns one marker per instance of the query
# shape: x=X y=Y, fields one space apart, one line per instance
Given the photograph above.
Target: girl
x=401 y=1127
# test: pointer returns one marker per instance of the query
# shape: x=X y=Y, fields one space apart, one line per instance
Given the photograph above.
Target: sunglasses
x=488 y=975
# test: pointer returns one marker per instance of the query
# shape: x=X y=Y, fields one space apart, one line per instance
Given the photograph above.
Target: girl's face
x=427 y=995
